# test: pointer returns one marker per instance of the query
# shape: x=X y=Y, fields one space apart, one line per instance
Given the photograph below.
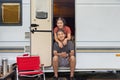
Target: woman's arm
x=56 y=39
x=66 y=39
x=68 y=36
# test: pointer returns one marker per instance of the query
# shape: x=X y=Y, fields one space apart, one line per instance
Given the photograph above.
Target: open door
x=41 y=30
x=65 y=9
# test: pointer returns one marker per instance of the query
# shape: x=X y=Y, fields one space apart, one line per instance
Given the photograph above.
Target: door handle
x=34 y=25
x=32 y=30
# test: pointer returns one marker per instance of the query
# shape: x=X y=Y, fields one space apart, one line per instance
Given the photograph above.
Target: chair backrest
x=28 y=63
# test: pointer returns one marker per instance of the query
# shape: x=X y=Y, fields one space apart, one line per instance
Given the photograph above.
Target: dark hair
x=61 y=18
x=60 y=30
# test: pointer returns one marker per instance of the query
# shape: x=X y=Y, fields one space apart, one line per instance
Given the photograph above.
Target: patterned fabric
x=67 y=48
x=63 y=62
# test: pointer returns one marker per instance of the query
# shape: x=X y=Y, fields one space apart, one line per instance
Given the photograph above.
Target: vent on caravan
x=27 y=49
x=27 y=35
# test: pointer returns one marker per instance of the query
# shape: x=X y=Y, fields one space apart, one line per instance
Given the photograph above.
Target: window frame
x=11 y=1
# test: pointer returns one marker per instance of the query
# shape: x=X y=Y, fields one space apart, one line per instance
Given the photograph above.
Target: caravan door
x=41 y=30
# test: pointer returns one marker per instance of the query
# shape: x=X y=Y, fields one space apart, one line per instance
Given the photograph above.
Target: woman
x=61 y=24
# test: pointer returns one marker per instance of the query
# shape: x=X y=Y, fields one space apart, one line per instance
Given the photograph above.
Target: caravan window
x=10 y=13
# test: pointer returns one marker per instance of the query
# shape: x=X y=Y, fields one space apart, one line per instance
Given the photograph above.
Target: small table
x=11 y=75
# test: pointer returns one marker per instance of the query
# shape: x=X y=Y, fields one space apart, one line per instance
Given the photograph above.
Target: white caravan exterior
x=97 y=32
x=15 y=39
x=97 y=40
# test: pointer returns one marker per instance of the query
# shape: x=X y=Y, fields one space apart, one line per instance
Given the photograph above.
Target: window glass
x=10 y=12
x=42 y=9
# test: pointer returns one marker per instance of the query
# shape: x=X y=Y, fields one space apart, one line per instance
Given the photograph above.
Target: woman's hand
x=65 y=42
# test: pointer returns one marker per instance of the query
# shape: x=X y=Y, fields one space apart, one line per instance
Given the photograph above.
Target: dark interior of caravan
x=65 y=9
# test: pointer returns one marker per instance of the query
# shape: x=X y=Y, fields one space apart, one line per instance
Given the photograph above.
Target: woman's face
x=60 y=24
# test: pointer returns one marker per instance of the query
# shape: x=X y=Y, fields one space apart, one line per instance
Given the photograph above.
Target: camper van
x=26 y=26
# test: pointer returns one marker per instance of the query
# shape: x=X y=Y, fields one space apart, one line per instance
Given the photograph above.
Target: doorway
x=65 y=9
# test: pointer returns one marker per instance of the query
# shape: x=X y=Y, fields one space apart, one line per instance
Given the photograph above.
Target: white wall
x=97 y=61
x=14 y=36
x=97 y=23
x=97 y=1
x=97 y=26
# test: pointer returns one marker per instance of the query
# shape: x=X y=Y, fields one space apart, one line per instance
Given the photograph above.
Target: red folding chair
x=29 y=66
